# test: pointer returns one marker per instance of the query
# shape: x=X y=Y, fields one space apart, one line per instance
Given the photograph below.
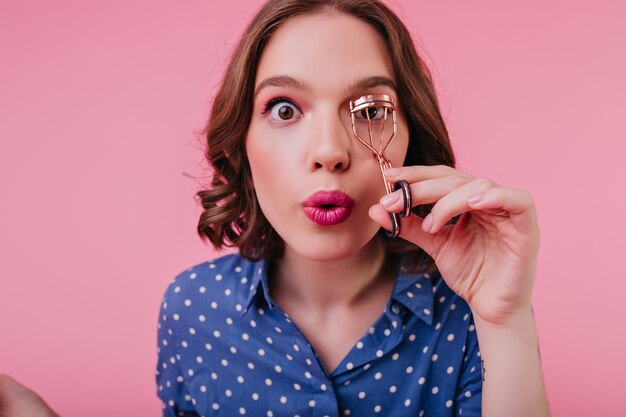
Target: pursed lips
x=328 y=208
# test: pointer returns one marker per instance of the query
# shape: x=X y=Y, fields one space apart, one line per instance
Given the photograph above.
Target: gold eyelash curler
x=368 y=107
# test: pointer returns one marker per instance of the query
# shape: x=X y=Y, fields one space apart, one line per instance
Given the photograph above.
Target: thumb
x=410 y=228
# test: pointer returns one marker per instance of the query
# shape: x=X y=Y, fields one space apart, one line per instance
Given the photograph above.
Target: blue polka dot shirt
x=226 y=349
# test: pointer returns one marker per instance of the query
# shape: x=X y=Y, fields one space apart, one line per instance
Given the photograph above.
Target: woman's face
x=314 y=181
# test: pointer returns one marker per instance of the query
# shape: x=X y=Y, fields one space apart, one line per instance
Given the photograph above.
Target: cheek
x=264 y=178
x=258 y=150
x=274 y=152
x=261 y=164
x=269 y=161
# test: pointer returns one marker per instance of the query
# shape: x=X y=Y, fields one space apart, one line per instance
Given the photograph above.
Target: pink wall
x=99 y=109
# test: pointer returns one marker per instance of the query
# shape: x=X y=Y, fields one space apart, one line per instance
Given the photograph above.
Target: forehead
x=326 y=51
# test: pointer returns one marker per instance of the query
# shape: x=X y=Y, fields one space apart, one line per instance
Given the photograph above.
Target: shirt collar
x=414 y=291
x=258 y=284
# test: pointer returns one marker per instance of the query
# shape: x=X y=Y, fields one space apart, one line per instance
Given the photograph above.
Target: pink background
x=100 y=105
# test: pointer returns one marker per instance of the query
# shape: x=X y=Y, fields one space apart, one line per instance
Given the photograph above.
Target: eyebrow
x=359 y=85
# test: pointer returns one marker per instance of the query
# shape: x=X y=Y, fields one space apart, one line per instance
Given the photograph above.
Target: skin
x=315 y=150
x=488 y=258
x=16 y=400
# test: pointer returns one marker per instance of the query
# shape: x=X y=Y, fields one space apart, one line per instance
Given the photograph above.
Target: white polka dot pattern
x=225 y=348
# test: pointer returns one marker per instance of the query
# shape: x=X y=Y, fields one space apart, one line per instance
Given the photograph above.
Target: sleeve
x=469 y=394
x=171 y=386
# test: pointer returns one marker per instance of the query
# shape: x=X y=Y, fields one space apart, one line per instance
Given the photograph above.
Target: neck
x=317 y=285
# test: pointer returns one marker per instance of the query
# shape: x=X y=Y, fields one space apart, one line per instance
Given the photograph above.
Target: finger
x=454 y=204
x=18 y=400
x=417 y=173
x=410 y=228
x=518 y=204
x=425 y=192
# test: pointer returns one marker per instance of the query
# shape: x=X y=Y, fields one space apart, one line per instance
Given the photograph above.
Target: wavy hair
x=232 y=216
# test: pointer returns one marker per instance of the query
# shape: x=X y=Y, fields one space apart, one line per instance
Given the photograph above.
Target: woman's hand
x=16 y=400
x=488 y=257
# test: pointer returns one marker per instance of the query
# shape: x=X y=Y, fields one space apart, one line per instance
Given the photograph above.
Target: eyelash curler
x=369 y=107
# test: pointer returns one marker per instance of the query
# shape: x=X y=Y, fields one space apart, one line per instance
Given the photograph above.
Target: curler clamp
x=369 y=114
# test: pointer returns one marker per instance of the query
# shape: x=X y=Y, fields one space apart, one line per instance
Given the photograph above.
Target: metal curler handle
x=379 y=147
x=407 y=199
x=395 y=225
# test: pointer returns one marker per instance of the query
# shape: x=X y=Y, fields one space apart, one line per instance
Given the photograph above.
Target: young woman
x=320 y=312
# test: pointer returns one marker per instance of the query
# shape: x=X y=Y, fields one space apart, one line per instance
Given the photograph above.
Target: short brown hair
x=232 y=216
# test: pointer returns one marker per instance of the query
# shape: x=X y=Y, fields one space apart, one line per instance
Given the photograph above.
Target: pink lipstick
x=328 y=208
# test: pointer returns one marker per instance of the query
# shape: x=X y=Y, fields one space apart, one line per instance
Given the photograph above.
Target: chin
x=327 y=247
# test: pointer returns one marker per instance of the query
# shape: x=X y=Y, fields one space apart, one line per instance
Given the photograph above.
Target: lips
x=328 y=208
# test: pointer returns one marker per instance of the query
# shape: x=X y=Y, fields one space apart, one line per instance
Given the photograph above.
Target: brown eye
x=374 y=113
x=285 y=112
x=370 y=111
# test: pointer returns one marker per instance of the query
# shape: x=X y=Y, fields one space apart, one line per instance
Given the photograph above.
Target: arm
x=171 y=382
x=488 y=257
x=512 y=378
x=16 y=400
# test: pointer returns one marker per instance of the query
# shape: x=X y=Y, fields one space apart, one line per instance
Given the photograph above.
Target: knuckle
x=457 y=180
x=527 y=199
x=484 y=183
x=446 y=168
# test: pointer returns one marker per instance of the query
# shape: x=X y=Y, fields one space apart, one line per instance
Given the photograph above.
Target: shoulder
x=223 y=280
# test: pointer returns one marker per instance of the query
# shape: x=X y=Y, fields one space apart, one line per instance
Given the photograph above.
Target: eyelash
x=274 y=101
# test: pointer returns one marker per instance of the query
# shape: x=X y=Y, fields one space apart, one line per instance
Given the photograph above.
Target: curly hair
x=232 y=216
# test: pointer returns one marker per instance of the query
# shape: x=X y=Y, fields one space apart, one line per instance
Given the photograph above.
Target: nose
x=330 y=144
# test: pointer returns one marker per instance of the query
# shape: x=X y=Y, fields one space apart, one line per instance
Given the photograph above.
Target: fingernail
x=427 y=224
x=392 y=172
x=389 y=199
x=475 y=198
